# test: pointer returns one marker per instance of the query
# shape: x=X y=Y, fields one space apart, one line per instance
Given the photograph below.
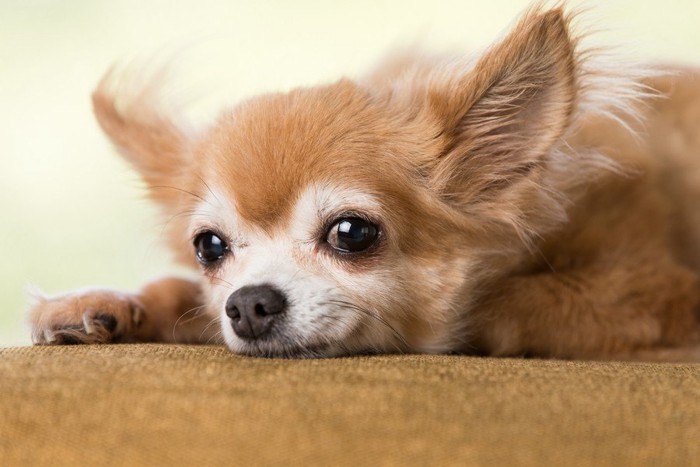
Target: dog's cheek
x=437 y=292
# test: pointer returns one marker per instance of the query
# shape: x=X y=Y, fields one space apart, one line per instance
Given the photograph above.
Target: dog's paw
x=85 y=318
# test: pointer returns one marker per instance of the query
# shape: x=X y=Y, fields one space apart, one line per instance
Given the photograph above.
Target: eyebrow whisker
x=182 y=190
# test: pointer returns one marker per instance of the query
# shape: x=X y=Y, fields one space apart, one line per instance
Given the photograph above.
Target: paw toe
x=93 y=318
x=67 y=339
x=108 y=322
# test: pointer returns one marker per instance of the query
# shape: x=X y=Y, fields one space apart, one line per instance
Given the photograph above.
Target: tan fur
x=524 y=211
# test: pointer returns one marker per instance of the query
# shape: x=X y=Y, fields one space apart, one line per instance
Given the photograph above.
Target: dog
x=536 y=200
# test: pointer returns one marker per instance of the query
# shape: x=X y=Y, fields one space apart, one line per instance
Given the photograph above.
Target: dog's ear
x=156 y=146
x=499 y=120
x=146 y=135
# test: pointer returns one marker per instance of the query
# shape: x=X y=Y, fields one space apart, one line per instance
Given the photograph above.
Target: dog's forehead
x=317 y=202
x=269 y=150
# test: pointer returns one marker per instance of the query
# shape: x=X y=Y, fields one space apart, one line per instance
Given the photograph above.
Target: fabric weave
x=194 y=405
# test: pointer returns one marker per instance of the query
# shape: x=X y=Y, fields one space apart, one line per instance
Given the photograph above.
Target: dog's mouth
x=297 y=352
x=276 y=349
x=280 y=337
x=335 y=338
x=280 y=343
x=292 y=346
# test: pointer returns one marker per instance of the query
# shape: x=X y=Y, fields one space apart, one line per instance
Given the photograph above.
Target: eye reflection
x=352 y=235
x=209 y=248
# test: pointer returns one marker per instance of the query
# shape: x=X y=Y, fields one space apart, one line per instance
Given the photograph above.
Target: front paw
x=85 y=318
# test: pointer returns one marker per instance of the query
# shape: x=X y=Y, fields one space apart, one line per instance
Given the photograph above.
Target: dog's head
x=362 y=216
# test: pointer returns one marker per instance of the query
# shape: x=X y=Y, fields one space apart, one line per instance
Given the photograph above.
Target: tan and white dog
x=528 y=201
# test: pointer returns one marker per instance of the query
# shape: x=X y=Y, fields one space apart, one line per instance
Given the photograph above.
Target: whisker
x=191 y=318
x=191 y=213
x=225 y=282
x=375 y=316
x=195 y=195
x=191 y=310
x=209 y=189
x=219 y=338
x=212 y=321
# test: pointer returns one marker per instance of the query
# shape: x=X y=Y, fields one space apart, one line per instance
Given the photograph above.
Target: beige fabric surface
x=181 y=405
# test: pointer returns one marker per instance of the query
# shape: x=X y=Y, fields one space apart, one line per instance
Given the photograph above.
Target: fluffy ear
x=500 y=120
x=158 y=148
x=130 y=115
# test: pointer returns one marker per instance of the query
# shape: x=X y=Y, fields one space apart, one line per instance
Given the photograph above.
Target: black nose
x=253 y=309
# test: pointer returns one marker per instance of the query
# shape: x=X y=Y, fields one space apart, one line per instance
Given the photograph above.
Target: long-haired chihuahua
x=538 y=199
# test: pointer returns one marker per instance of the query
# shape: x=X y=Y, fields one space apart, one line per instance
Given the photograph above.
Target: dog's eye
x=209 y=248
x=351 y=235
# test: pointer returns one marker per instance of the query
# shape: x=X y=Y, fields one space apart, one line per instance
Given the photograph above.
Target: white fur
x=292 y=262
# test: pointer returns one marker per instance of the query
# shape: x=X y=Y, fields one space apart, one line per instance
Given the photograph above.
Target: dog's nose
x=253 y=309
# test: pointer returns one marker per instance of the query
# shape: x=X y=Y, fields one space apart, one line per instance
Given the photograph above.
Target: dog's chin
x=281 y=347
x=289 y=349
x=287 y=343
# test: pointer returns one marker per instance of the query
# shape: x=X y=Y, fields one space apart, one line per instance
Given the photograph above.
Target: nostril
x=233 y=312
x=255 y=310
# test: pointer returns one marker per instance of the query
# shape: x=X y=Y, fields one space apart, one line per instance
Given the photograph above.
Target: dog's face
x=356 y=217
x=315 y=230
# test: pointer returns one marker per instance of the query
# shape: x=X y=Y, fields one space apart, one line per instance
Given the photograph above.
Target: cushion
x=157 y=404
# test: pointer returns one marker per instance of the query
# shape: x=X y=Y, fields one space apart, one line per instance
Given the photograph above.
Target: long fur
x=533 y=199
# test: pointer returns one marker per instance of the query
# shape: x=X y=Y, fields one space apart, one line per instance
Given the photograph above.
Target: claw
x=83 y=319
x=49 y=336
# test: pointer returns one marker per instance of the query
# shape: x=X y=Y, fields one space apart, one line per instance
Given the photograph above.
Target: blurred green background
x=72 y=214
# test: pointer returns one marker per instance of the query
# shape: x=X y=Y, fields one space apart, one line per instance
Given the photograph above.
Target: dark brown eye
x=352 y=235
x=209 y=248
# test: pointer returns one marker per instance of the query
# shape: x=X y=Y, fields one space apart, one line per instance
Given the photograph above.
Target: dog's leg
x=168 y=310
x=610 y=311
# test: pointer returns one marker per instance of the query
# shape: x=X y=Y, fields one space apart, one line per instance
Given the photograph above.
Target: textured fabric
x=164 y=404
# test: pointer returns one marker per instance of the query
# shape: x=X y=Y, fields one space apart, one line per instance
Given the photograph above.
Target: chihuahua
x=536 y=200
